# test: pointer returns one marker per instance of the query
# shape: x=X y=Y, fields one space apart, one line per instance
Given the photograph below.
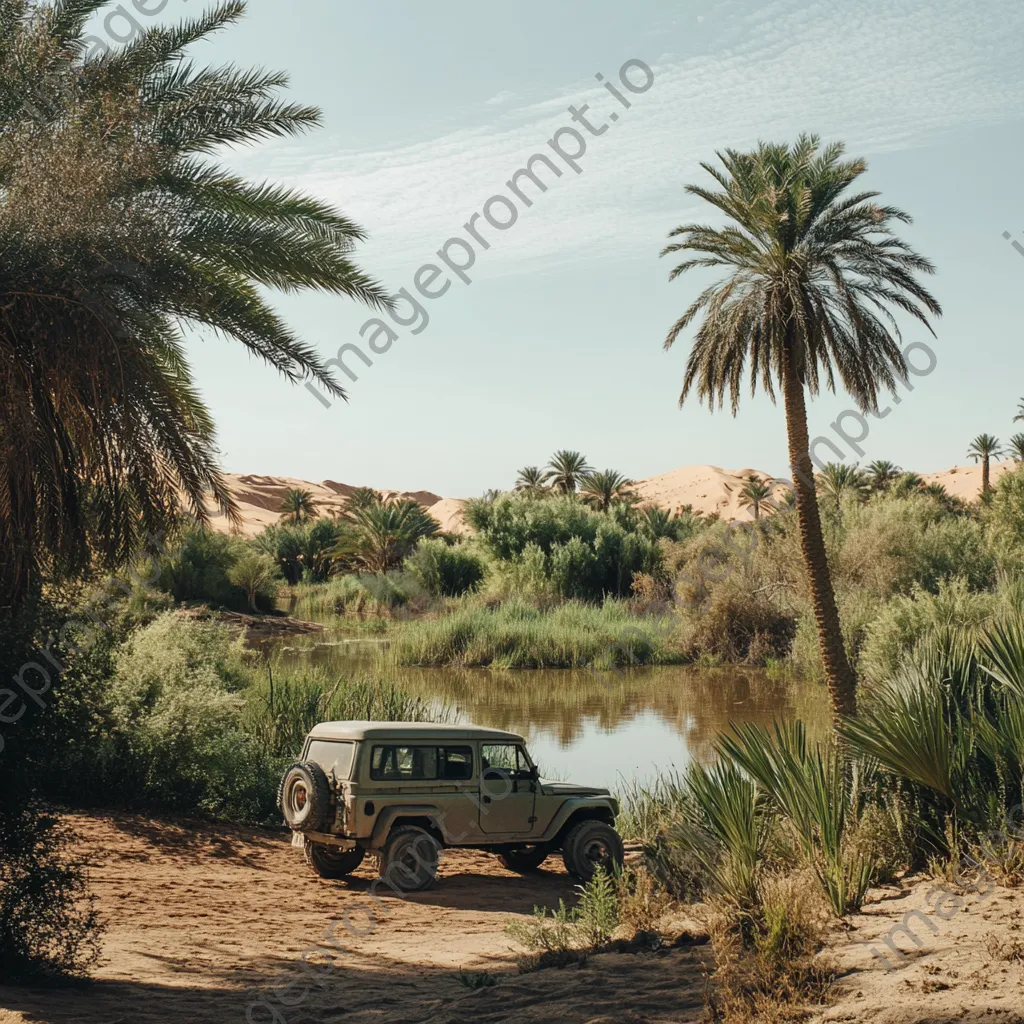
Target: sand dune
x=707 y=489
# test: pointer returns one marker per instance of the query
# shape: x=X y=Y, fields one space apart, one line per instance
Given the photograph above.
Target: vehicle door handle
x=487 y=799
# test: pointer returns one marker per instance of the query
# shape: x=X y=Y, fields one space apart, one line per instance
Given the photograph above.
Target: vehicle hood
x=571 y=789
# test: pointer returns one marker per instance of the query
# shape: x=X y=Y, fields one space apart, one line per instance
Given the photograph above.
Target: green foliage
x=122 y=227
x=196 y=569
x=359 y=594
x=518 y=635
x=819 y=793
x=566 y=471
x=583 y=554
x=445 y=570
x=257 y=575
x=302 y=551
x=383 y=533
x=298 y=504
x=48 y=925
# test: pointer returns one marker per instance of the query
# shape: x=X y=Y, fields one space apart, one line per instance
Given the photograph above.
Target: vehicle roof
x=408 y=731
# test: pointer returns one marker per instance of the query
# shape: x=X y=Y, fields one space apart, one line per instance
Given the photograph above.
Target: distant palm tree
x=602 y=490
x=983 y=449
x=906 y=484
x=531 y=480
x=361 y=497
x=298 y=504
x=657 y=522
x=808 y=267
x=755 y=495
x=566 y=470
x=837 y=480
x=1020 y=412
x=385 y=533
x=881 y=474
x=256 y=573
x=1016 y=449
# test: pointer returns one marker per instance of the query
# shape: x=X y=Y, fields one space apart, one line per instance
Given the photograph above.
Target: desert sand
x=208 y=920
x=707 y=489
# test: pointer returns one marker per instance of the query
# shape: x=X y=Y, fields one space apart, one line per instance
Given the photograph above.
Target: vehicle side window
x=455 y=762
x=504 y=759
x=400 y=764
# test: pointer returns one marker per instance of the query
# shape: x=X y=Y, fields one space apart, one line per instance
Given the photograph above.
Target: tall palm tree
x=811 y=273
x=1016 y=447
x=755 y=495
x=566 y=470
x=881 y=474
x=983 y=449
x=531 y=480
x=602 y=490
x=121 y=230
x=837 y=480
x=298 y=504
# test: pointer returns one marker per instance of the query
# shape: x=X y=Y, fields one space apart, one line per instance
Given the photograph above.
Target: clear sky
x=557 y=342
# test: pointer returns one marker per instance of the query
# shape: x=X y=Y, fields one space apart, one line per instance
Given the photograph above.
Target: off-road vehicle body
x=402 y=791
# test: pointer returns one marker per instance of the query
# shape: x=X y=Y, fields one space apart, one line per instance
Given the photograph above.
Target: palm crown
x=984 y=448
x=298 y=504
x=813 y=274
x=881 y=473
x=1016 y=444
x=531 y=479
x=566 y=470
x=756 y=495
x=120 y=228
x=602 y=489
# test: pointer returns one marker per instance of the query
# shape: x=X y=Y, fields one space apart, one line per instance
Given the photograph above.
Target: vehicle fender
x=601 y=809
x=382 y=826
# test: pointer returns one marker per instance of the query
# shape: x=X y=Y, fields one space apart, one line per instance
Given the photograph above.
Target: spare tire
x=305 y=797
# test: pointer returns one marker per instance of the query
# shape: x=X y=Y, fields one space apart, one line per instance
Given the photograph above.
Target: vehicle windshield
x=334 y=756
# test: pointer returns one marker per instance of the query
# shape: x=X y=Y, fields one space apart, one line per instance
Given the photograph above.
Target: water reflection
x=596 y=728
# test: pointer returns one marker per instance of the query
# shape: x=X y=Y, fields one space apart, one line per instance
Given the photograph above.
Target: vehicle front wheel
x=331 y=862
x=525 y=859
x=410 y=858
x=591 y=845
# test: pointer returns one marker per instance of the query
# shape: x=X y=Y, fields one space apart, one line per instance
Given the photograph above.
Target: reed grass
x=518 y=635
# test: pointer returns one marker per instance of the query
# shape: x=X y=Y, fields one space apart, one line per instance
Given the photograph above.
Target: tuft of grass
x=518 y=635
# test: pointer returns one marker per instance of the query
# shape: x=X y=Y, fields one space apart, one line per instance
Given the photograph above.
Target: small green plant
x=597 y=914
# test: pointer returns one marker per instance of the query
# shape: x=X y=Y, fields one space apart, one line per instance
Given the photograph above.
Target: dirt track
x=205 y=920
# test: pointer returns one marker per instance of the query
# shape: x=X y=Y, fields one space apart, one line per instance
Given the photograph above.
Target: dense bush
x=197 y=568
x=583 y=554
x=445 y=570
x=302 y=551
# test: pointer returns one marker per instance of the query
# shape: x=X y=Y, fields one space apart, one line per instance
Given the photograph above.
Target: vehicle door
x=508 y=789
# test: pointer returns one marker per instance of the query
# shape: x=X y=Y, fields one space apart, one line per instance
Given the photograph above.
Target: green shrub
x=363 y=594
x=445 y=570
x=586 y=555
x=302 y=551
x=197 y=570
x=518 y=635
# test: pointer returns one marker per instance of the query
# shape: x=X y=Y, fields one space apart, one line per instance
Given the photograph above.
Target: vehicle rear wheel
x=410 y=858
x=305 y=797
x=331 y=862
x=591 y=845
x=526 y=858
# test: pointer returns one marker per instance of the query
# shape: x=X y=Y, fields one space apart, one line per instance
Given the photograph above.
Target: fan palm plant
x=298 y=504
x=566 y=471
x=881 y=474
x=755 y=495
x=1016 y=447
x=531 y=480
x=984 y=448
x=602 y=490
x=121 y=229
x=812 y=271
x=657 y=522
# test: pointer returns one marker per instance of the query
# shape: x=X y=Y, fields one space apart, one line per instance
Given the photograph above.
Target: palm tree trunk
x=842 y=684
x=984 y=476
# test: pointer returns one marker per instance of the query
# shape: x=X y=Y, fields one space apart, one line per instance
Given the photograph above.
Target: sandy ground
x=207 y=923
x=220 y=923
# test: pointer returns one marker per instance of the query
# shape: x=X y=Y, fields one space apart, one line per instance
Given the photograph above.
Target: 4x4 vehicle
x=402 y=791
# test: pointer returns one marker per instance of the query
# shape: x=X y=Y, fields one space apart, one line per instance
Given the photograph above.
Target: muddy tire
x=330 y=862
x=591 y=845
x=525 y=859
x=305 y=797
x=410 y=859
